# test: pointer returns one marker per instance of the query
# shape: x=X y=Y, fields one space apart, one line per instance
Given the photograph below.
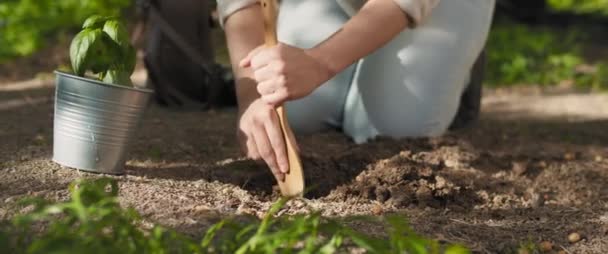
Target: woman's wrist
x=328 y=69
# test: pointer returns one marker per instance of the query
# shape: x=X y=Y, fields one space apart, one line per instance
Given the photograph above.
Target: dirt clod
x=598 y=158
x=569 y=156
x=545 y=246
x=574 y=237
x=523 y=251
x=377 y=210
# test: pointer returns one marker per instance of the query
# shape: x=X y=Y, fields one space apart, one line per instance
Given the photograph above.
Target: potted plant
x=97 y=108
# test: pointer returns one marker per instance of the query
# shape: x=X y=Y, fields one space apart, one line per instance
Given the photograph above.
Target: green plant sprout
x=93 y=221
x=103 y=48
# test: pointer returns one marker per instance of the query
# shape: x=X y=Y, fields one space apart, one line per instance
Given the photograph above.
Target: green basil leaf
x=103 y=47
x=95 y=22
x=103 y=54
x=118 y=77
x=118 y=33
x=80 y=48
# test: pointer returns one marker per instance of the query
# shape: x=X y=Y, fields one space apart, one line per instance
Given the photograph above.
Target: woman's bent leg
x=412 y=86
x=305 y=24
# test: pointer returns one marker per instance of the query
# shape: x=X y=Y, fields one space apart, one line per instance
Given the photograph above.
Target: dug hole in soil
x=535 y=168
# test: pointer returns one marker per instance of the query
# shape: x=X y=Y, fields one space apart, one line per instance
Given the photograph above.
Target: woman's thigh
x=304 y=24
x=412 y=86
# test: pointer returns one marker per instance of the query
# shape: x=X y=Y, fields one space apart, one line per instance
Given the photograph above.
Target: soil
x=533 y=169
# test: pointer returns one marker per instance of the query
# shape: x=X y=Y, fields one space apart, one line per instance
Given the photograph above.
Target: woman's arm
x=269 y=76
x=244 y=32
x=259 y=130
x=376 y=24
x=287 y=73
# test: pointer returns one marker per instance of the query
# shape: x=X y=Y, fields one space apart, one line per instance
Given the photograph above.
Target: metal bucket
x=95 y=122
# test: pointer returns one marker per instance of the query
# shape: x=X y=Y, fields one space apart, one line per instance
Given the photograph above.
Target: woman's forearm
x=244 y=32
x=376 y=24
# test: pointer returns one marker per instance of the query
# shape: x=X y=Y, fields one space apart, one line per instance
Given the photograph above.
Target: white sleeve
x=417 y=10
x=226 y=8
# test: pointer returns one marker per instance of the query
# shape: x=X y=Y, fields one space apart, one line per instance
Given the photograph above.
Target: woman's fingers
x=252 y=149
x=275 y=136
x=266 y=151
x=273 y=70
x=260 y=57
x=276 y=98
x=266 y=87
x=264 y=56
x=259 y=132
x=246 y=62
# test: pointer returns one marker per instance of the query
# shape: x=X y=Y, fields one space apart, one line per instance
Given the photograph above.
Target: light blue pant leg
x=304 y=24
x=412 y=86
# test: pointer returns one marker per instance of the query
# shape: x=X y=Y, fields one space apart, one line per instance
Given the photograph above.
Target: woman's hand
x=260 y=136
x=285 y=73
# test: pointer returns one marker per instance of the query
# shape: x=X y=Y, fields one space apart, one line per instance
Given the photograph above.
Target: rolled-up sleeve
x=226 y=8
x=417 y=10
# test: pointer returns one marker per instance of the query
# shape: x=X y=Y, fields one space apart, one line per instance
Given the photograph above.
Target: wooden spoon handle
x=294 y=180
x=270 y=11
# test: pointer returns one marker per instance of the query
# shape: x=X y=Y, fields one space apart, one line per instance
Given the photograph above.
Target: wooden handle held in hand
x=294 y=180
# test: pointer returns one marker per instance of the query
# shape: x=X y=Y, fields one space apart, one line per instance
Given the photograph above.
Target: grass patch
x=92 y=221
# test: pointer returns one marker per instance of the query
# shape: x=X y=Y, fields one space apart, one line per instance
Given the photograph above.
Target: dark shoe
x=470 y=102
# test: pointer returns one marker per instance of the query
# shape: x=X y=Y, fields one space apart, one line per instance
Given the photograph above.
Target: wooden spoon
x=294 y=179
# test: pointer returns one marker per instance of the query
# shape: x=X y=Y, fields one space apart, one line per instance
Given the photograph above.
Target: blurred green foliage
x=25 y=25
x=580 y=6
x=93 y=222
x=521 y=54
x=518 y=54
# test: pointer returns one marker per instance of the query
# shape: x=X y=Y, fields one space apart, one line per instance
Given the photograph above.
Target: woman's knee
x=416 y=123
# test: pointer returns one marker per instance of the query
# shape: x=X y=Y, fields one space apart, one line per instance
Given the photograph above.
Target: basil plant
x=103 y=48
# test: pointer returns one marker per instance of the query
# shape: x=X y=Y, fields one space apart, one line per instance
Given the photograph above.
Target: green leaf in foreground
x=457 y=249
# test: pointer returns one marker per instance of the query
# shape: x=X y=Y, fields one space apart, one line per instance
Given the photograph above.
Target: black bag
x=180 y=57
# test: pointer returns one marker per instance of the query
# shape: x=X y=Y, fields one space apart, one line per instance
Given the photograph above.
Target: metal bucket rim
x=137 y=89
